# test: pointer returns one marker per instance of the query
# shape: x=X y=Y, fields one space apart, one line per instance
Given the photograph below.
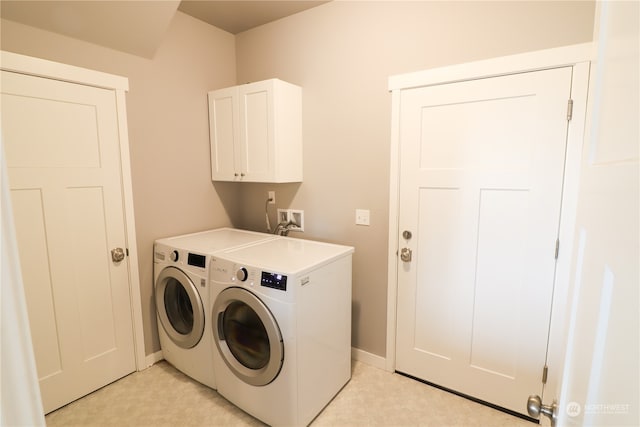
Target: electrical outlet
x=271 y=195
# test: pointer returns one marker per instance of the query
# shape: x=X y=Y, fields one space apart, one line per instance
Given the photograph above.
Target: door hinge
x=545 y=372
x=557 y=248
x=569 y=110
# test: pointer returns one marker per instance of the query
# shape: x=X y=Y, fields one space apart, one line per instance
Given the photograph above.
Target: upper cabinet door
x=257 y=144
x=223 y=131
x=256 y=132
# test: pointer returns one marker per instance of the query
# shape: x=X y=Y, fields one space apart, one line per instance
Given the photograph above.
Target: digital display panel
x=274 y=280
x=197 y=260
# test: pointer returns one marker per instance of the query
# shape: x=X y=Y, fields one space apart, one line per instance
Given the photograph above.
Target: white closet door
x=481 y=183
x=63 y=156
x=600 y=378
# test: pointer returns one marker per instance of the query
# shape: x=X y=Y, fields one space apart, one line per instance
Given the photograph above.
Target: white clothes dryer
x=281 y=326
x=182 y=296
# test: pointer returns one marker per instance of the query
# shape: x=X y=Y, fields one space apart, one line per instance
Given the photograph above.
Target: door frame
x=576 y=56
x=37 y=67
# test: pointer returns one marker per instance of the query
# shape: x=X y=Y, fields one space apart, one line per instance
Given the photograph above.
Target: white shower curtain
x=21 y=404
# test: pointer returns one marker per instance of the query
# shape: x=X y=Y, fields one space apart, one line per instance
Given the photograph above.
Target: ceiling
x=138 y=26
x=241 y=15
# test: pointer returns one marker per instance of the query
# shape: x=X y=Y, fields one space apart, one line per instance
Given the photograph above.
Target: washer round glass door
x=247 y=336
x=179 y=307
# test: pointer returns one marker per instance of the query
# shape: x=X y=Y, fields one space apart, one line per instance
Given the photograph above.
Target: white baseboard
x=153 y=358
x=368 y=358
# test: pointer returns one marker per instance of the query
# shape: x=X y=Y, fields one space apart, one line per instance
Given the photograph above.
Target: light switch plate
x=363 y=217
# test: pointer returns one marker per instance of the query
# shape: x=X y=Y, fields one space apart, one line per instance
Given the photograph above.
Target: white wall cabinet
x=256 y=132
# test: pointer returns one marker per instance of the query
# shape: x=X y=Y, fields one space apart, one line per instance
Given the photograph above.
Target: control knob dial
x=242 y=274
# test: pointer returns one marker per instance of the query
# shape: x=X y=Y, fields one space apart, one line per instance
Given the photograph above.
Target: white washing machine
x=281 y=326
x=182 y=296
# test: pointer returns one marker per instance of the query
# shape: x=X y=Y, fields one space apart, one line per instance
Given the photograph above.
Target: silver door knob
x=117 y=254
x=405 y=254
x=535 y=408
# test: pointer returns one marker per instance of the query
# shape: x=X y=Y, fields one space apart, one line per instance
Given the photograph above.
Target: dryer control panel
x=274 y=280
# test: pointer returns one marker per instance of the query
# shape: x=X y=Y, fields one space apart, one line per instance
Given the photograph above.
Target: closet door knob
x=117 y=254
x=535 y=408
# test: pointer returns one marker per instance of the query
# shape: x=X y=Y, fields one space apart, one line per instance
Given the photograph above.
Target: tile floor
x=163 y=396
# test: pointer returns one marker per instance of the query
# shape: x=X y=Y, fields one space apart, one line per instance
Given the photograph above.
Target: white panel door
x=600 y=384
x=257 y=133
x=224 y=128
x=62 y=151
x=481 y=176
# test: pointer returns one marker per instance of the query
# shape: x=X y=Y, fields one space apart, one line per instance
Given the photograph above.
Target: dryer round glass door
x=247 y=336
x=179 y=307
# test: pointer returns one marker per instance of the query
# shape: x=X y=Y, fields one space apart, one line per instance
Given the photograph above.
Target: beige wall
x=168 y=129
x=341 y=54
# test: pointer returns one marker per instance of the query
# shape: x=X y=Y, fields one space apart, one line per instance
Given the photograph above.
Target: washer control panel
x=242 y=274
x=223 y=271
x=274 y=281
x=197 y=260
